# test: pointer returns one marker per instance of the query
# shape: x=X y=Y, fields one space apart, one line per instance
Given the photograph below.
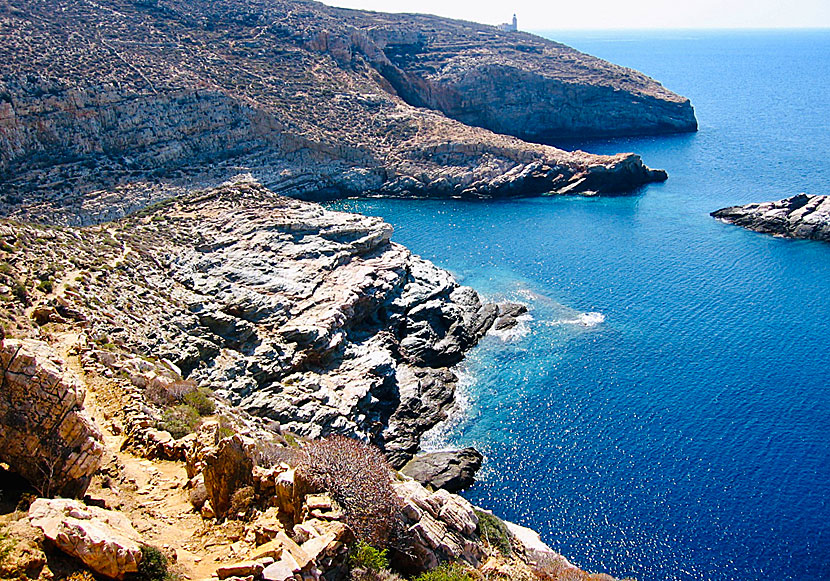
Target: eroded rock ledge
x=164 y=97
x=45 y=434
x=311 y=318
x=799 y=216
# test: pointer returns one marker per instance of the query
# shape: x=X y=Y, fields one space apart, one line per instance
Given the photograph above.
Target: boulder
x=45 y=435
x=242 y=569
x=452 y=471
x=441 y=527
x=104 y=540
x=227 y=469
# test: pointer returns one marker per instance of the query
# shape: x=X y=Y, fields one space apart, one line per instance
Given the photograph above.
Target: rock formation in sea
x=799 y=216
x=161 y=97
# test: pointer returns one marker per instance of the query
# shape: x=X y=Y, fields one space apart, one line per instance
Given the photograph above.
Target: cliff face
x=800 y=216
x=518 y=83
x=106 y=107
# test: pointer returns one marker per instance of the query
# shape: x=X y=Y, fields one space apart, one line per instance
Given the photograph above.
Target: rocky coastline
x=300 y=323
x=210 y=361
x=800 y=216
x=166 y=97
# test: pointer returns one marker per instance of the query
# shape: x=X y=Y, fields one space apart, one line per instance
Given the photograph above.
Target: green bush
x=494 y=532
x=365 y=556
x=19 y=291
x=179 y=421
x=45 y=286
x=153 y=565
x=200 y=400
x=6 y=545
x=446 y=572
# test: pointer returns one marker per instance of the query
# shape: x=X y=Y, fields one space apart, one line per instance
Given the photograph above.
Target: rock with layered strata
x=104 y=540
x=45 y=434
x=800 y=216
x=442 y=526
x=315 y=101
x=227 y=469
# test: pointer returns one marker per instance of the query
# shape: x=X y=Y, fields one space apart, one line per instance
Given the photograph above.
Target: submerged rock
x=800 y=216
x=452 y=471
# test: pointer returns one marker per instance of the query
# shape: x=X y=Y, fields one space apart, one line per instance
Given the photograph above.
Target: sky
x=617 y=14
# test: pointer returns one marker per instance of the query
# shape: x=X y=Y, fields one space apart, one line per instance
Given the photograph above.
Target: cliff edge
x=106 y=107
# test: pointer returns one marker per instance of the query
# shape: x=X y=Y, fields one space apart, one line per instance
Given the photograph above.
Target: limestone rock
x=227 y=469
x=104 y=540
x=441 y=525
x=800 y=216
x=345 y=103
x=241 y=569
x=46 y=436
x=452 y=471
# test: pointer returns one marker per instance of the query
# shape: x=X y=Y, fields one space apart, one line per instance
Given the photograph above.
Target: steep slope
x=518 y=83
x=108 y=106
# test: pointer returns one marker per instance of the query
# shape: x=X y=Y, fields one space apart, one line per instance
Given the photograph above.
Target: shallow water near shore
x=667 y=414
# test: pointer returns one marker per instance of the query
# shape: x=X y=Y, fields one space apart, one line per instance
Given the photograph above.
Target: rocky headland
x=799 y=216
x=283 y=325
x=106 y=107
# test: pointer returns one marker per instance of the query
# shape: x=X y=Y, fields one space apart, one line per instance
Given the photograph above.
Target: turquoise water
x=667 y=415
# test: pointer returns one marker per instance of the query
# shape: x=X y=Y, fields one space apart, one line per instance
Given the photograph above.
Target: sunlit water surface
x=665 y=413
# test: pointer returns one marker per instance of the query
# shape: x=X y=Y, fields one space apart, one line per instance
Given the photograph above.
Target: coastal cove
x=665 y=416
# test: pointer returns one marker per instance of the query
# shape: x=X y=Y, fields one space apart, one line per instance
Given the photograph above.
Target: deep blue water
x=687 y=435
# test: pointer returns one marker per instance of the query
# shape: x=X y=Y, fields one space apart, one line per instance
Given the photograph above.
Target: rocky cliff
x=311 y=318
x=287 y=322
x=800 y=216
x=45 y=435
x=108 y=106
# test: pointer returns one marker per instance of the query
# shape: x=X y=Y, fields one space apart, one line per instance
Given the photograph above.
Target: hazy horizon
x=613 y=15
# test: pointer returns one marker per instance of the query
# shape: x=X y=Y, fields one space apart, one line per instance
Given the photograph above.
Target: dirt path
x=151 y=493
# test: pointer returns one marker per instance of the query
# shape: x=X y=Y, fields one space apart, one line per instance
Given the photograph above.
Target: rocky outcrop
x=452 y=471
x=226 y=470
x=104 y=540
x=517 y=83
x=45 y=435
x=442 y=526
x=800 y=216
x=316 y=102
x=309 y=318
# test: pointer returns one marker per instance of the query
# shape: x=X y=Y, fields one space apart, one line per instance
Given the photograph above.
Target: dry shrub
x=358 y=478
x=167 y=394
x=554 y=567
x=268 y=454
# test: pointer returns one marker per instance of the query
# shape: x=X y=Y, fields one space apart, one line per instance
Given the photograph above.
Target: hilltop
x=108 y=106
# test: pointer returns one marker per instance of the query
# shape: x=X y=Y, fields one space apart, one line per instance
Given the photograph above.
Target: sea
x=663 y=412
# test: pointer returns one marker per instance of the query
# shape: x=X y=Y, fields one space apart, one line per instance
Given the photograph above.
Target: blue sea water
x=667 y=415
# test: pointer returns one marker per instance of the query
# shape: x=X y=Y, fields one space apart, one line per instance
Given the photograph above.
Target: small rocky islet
x=228 y=378
x=800 y=216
